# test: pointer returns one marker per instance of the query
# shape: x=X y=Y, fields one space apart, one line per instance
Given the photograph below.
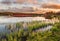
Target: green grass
x=21 y=35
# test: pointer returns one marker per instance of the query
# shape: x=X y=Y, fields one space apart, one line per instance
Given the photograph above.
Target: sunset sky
x=34 y=1
x=55 y=4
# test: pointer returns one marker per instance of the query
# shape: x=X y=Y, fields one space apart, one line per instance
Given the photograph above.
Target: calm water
x=4 y=20
x=2 y=28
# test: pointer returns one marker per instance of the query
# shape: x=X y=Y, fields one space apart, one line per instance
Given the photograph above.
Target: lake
x=11 y=20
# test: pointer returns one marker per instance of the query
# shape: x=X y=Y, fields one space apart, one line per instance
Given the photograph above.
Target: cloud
x=53 y=6
x=34 y=1
x=49 y=1
x=27 y=1
x=20 y=1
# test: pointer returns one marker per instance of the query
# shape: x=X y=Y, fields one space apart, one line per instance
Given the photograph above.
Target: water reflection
x=5 y=22
x=2 y=28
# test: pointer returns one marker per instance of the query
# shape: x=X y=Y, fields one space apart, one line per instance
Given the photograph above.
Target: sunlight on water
x=20 y=19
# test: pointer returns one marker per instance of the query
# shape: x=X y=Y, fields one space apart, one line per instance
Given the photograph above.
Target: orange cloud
x=28 y=1
x=53 y=6
x=20 y=1
x=32 y=1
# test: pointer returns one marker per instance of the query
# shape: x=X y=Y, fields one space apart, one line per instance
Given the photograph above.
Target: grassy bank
x=21 y=35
